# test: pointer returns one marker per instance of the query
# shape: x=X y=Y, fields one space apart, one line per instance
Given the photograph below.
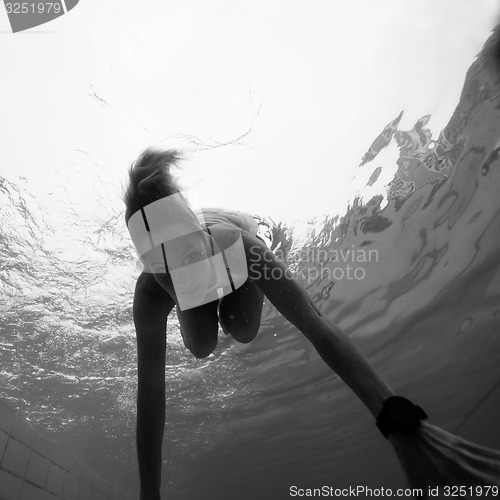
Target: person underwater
x=212 y=266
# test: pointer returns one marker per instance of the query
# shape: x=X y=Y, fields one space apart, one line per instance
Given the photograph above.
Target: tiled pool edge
x=33 y=467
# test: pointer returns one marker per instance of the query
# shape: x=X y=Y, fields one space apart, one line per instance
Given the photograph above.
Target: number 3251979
x=33 y=8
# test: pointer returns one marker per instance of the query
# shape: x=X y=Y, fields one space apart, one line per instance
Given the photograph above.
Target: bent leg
x=240 y=312
x=199 y=328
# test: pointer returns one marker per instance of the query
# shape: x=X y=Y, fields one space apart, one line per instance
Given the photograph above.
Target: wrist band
x=399 y=414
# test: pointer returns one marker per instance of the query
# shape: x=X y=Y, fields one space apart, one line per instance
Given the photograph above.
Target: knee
x=245 y=334
x=201 y=350
x=242 y=328
x=244 y=339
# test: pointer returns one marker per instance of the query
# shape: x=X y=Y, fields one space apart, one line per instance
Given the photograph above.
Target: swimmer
x=214 y=269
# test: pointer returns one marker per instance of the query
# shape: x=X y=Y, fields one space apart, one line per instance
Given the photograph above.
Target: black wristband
x=399 y=414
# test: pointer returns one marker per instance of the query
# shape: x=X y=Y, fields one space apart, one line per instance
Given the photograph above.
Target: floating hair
x=150 y=179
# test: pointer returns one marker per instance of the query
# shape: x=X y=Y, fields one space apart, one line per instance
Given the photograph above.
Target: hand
x=431 y=456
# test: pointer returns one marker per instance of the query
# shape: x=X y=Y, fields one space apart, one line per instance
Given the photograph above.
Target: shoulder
x=255 y=248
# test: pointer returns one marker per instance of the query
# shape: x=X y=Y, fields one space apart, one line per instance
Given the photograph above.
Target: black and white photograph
x=249 y=249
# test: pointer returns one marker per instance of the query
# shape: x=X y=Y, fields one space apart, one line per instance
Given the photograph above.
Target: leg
x=240 y=312
x=152 y=305
x=200 y=328
x=199 y=325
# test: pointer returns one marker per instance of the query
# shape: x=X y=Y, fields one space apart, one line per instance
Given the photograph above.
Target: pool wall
x=33 y=467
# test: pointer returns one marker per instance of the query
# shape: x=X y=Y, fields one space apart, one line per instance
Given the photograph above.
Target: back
x=212 y=216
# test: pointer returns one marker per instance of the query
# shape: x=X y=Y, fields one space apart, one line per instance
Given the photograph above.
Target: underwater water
x=413 y=278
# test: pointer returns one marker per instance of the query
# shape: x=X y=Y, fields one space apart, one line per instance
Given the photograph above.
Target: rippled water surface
x=422 y=300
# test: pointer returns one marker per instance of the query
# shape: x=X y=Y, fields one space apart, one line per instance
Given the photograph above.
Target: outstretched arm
x=333 y=345
x=152 y=305
x=429 y=455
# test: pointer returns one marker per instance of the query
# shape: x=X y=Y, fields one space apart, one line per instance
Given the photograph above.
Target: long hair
x=150 y=179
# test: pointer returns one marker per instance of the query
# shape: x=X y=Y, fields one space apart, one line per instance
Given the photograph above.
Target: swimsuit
x=213 y=216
